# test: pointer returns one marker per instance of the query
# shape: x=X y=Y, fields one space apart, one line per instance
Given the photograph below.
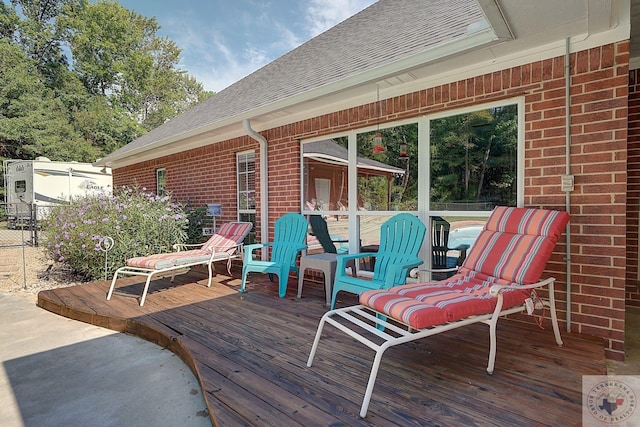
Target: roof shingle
x=387 y=31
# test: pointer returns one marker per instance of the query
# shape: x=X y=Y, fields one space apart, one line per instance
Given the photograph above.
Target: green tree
x=473 y=157
x=33 y=122
x=120 y=80
x=118 y=55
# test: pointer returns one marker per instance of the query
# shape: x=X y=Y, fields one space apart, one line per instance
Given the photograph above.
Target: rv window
x=21 y=186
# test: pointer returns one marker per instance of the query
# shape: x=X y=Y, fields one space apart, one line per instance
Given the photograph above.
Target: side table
x=325 y=262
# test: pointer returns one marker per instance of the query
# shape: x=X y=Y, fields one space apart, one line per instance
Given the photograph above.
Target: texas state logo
x=609 y=400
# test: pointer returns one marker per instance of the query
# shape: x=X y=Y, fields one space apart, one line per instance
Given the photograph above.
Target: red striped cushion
x=427 y=304
x=229 y=234
x=512 y=249
x=516 y=244
x=172 y=259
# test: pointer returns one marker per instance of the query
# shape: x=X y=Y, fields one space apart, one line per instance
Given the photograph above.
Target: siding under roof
x=387 y=31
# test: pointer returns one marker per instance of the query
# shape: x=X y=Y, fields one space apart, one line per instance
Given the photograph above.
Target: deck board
x=249 y=352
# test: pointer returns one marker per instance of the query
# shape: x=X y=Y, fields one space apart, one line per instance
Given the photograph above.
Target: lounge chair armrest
x=254 y=246
x=299 y=249
x=335 y=238
x=224 y=249
x=184 y=246
x=495 y=290
x=415 y=272
x=221 y=248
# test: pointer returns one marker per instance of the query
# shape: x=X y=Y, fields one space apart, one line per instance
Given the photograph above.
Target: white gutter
x=264 y=183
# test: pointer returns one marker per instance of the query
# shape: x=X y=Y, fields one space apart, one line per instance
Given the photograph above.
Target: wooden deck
x=249 y=352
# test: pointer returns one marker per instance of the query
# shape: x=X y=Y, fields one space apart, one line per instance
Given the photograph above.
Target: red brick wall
x=633 y=189
x=598 y=160
x=199 y=176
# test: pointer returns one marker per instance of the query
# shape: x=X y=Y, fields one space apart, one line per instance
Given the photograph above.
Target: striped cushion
x=168 y=260
x=516 y=244
x=426 y=304
x=512 y=249
x=229 y=234
x=225 y=242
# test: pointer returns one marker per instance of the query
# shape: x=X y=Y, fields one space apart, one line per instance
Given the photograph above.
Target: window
x=161 y=182
x=21 y=186
x=246 y=178
x=388 y=169
x=473 y=158
x=455 y=165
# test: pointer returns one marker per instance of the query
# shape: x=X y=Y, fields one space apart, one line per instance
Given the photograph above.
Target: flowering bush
x=139 y=223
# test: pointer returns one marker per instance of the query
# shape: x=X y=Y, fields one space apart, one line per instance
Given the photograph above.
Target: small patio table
x=325 y=262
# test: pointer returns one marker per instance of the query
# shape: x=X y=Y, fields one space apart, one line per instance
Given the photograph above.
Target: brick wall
x=598 y=160
x=199 y=176
x=633 y=189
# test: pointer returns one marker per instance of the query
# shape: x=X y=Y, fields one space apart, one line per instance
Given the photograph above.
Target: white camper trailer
x=36 y=185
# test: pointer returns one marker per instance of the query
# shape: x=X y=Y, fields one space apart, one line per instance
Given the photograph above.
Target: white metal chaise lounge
x=499 y=277
x=224 y=245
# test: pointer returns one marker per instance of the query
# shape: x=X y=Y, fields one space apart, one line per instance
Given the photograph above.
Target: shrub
x=139 y=223
x=196 y=216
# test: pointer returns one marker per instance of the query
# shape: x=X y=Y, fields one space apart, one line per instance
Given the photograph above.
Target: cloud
x=221 y=51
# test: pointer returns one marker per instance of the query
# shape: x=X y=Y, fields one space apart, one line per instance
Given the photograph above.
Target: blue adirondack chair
x=288 y=242
x=401 y=238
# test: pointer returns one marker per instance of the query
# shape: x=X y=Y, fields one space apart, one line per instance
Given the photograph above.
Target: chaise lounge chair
x=224 y=245
x=499 y=277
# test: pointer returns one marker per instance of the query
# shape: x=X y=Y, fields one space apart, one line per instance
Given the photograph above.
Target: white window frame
x=161 y=182
x=424 y=212
x=242 y=157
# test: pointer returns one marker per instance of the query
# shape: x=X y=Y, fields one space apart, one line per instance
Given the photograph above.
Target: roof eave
x=479 y=39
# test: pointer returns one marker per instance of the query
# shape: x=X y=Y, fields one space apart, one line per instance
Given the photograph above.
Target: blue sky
x=225 y=40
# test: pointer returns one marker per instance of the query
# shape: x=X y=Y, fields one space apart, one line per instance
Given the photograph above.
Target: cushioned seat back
x=516 y=243
x=229 y=234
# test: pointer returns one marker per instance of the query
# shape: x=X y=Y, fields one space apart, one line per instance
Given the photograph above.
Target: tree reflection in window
x=474 y=160
x=388 y=179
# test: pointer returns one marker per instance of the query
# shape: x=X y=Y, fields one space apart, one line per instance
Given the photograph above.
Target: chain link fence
x=19 y=225
x=19 y=234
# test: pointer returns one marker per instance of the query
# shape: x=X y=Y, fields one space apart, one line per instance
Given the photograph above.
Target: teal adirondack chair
x=288 y=242
x=401 y=238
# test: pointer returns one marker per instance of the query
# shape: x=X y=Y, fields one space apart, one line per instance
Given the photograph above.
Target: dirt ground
x=27 y=271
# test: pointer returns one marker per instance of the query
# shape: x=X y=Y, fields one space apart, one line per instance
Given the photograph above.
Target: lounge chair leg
x=554 y=315
x=229 y=266
x=372 y=382
x=492 y=345
x=146 y=288
x=316 y=341
x=113 y=284
x=210 y=274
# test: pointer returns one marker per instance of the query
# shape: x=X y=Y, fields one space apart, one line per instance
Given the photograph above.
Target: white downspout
x=568 y=178
x=264 y=182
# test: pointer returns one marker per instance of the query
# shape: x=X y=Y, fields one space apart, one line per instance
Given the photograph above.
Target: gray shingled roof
x=387 y=31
